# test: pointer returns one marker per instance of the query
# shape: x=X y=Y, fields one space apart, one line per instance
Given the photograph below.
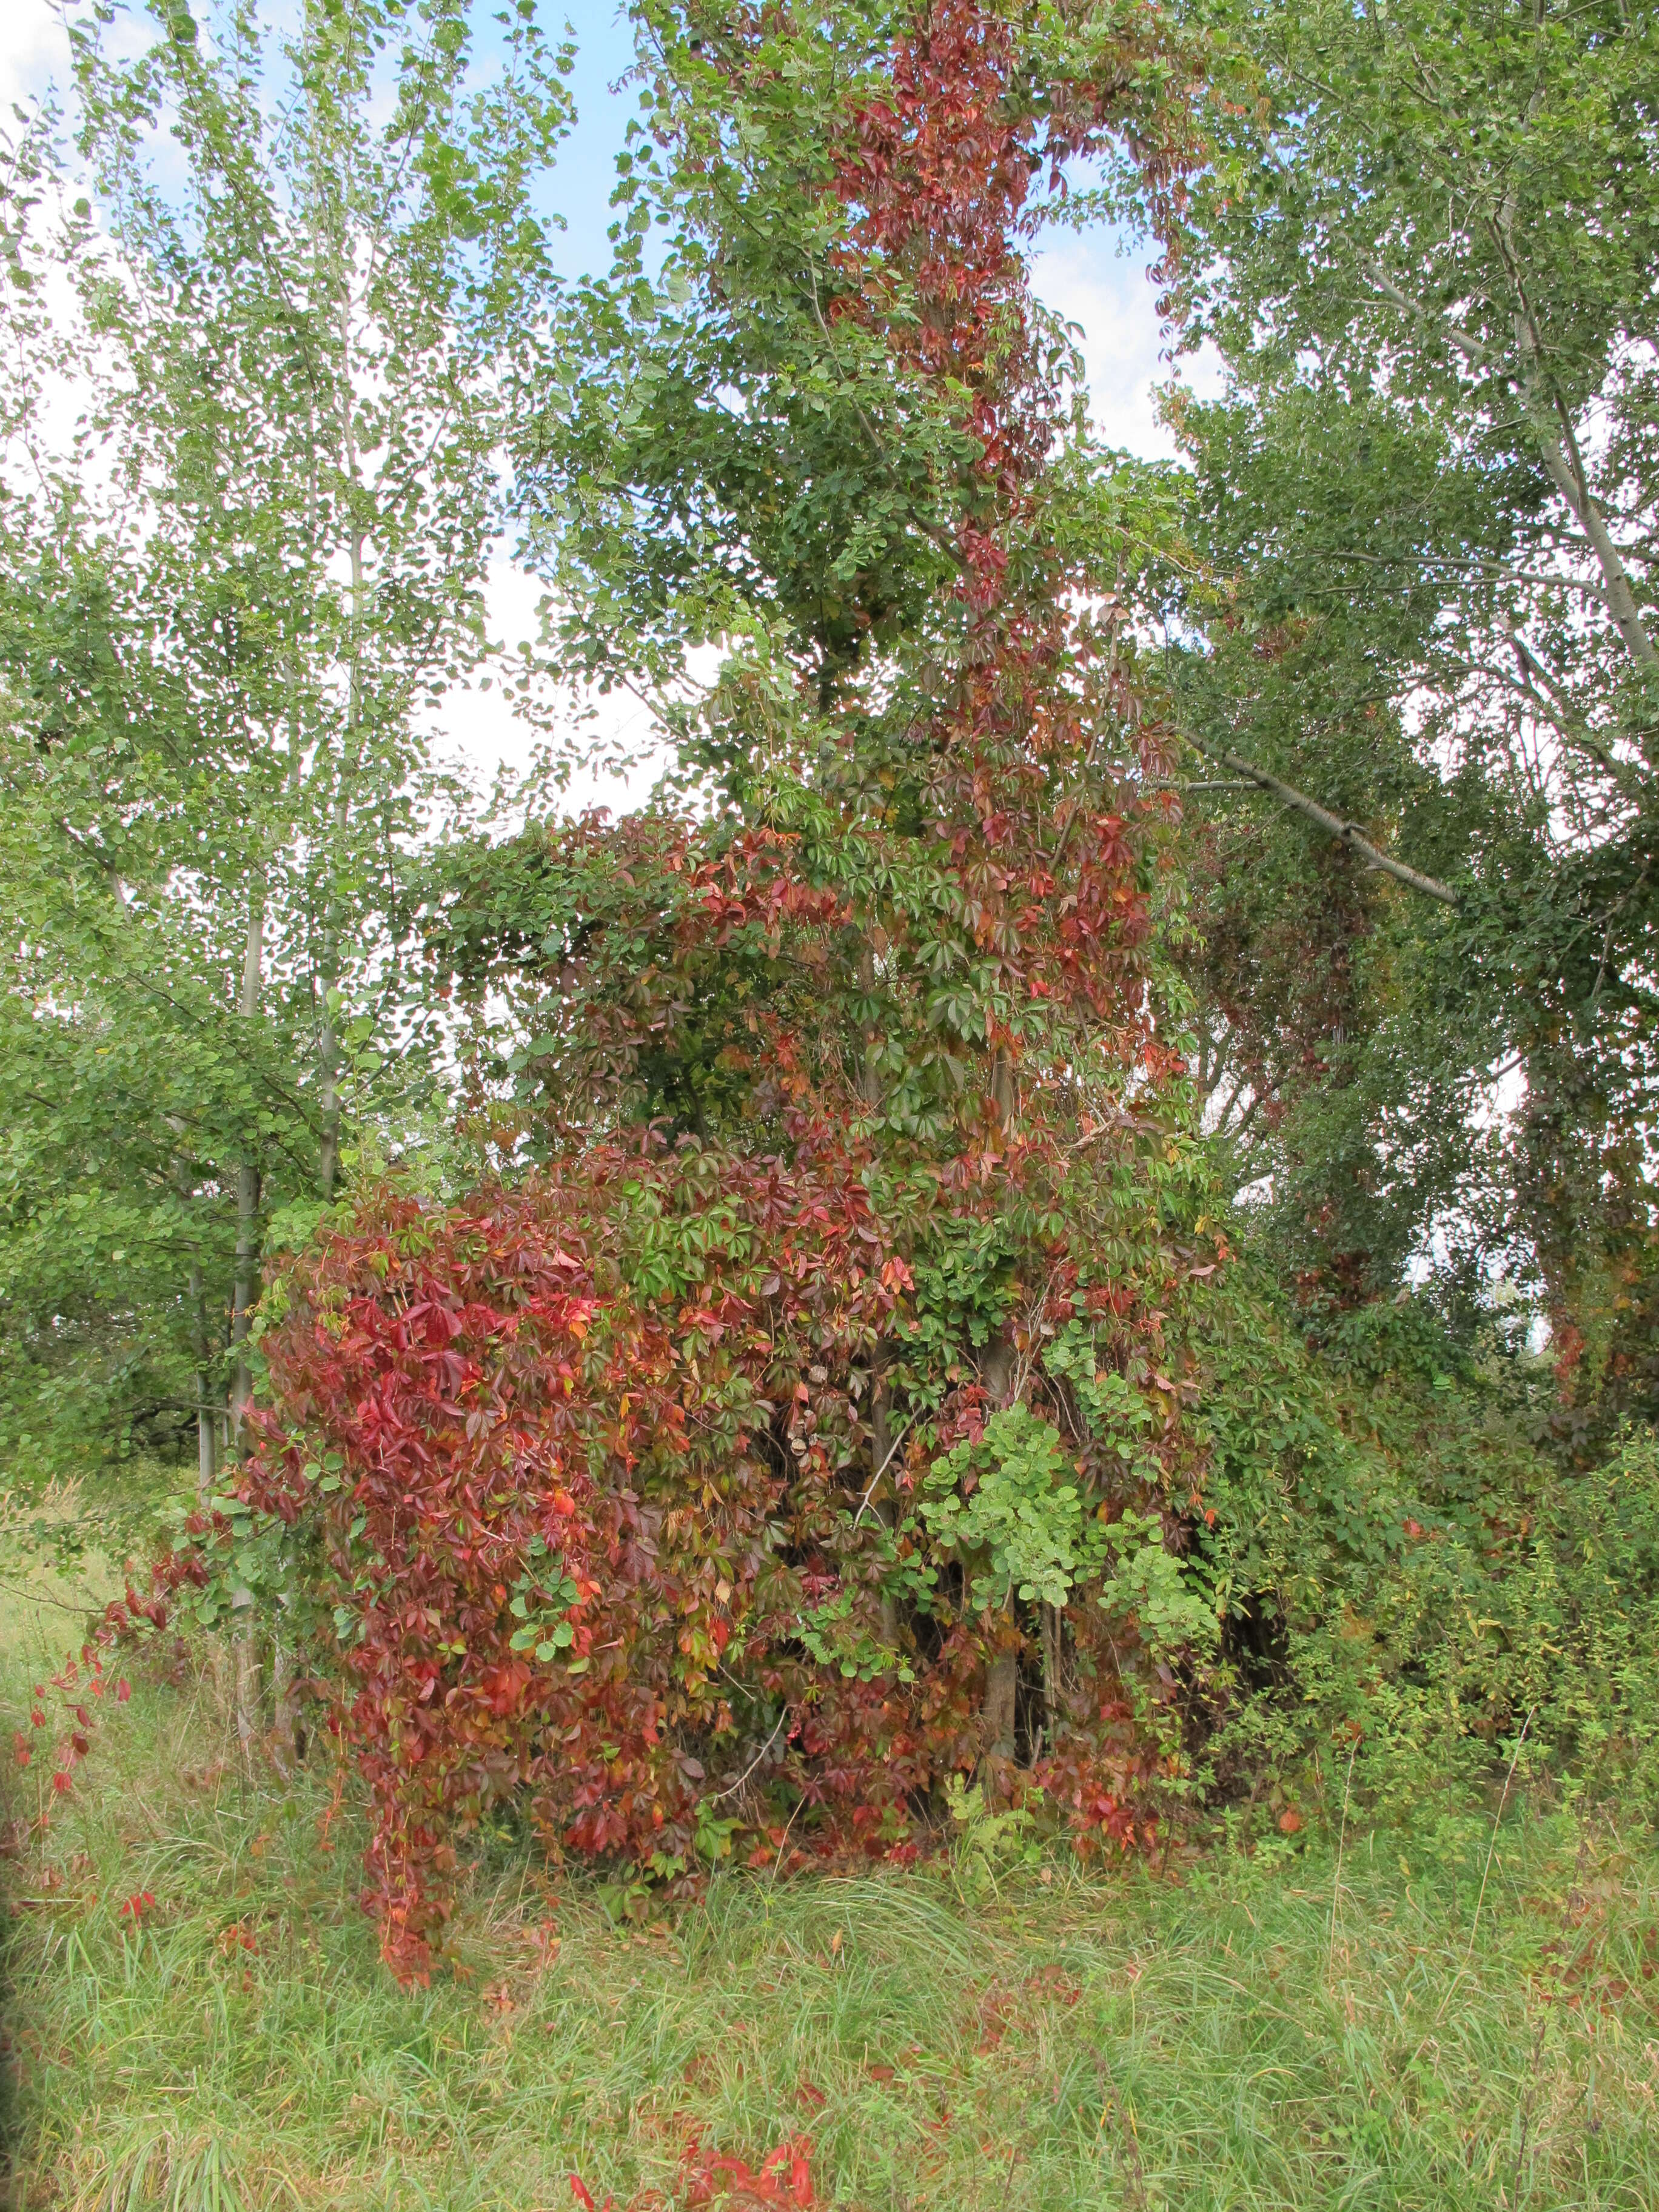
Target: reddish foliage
x=516 y=1429
x=643 y=1495
x=784 y=2179
x=606 y=1521
x=79 y=1680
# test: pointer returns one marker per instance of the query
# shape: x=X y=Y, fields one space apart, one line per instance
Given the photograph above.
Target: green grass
x=1104 y=2040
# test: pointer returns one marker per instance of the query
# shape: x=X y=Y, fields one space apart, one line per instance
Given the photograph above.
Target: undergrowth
x=199 y=2016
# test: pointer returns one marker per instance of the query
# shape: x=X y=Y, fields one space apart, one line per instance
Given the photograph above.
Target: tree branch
x=1471 y=348
x=1346 y=833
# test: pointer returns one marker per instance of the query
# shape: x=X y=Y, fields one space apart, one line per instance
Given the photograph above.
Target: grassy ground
x=1245 y=2035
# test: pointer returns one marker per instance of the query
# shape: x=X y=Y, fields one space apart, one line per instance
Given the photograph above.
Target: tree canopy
x=999 y=1227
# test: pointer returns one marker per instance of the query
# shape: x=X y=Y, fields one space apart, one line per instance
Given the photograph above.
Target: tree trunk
x=1558 y=441
x=1002 y=1697
x=207 y=1454
x=248 y=1245
x=1054 y=1628
x=247 y=1689
x=997 y=1714
x=328 y=1042
x=880 y=1452
x=328 y=1098
x=284 y=1748
x=247 y=1181
x=869 y=1072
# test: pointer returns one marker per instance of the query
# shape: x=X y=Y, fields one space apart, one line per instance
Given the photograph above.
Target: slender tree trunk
x=283 y=1745
x=248 y=1185
x=207 y=1453
x=247 y=1181
x=328 y=1042
x=247 y=1689
x=328 y=1097
x=1053 y=1629
x=999 y=1713
x=1558 y=442
x=1001 y=1705
x=869 y=1073
x=1558 y=445
x=880 y=1452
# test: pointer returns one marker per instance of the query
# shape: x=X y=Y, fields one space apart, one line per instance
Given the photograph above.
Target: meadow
x=1465 y=2015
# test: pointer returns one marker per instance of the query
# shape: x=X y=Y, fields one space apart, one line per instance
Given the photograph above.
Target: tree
x=800 y=1411
x=1424 y=514
x=234 y=594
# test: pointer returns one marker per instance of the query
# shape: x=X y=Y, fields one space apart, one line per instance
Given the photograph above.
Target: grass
x=1250 y=2035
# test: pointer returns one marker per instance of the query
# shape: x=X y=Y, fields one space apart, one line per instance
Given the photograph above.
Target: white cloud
x=32 y=49
x=1098 y=281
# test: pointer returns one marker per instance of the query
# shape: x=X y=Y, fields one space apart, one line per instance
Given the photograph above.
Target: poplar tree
x=254 y=407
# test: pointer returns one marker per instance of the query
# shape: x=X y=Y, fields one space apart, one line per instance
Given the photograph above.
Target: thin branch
x=734 y=1788
x=883 y=1468
x=1498 y=572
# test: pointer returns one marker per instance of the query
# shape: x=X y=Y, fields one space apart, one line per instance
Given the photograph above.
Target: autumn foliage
x=756 y=1458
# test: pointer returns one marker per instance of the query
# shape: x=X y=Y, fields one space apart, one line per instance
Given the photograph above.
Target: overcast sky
x=1088 y=278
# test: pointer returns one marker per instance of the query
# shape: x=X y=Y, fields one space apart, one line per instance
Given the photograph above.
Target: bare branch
x=1347 y=833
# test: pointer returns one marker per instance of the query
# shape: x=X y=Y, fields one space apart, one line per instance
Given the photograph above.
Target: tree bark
x=1565 y=465
x=999 y=1713
x=1053 y=1631
x=1558 y=442
x=247 y=1689
x=285 y=1743
x=246 y=1294
x=1321 y=816
x=1001 y=1701
x=1553 y=428
x=207 y=1442
x=880 y=1449
x=247 y=1180
x=328 y=1043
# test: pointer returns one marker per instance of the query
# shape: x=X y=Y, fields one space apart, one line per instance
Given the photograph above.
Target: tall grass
x=1239 y=2035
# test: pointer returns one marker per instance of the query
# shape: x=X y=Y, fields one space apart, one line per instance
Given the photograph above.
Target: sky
x=1096 y=279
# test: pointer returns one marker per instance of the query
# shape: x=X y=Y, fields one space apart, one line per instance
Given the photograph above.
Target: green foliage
x=253 y=410
x=1149 y=1586
x=915 y=909
x=1020 y=1511
x=1419 y=586
x=988 y=1842
x=1398 y=1563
